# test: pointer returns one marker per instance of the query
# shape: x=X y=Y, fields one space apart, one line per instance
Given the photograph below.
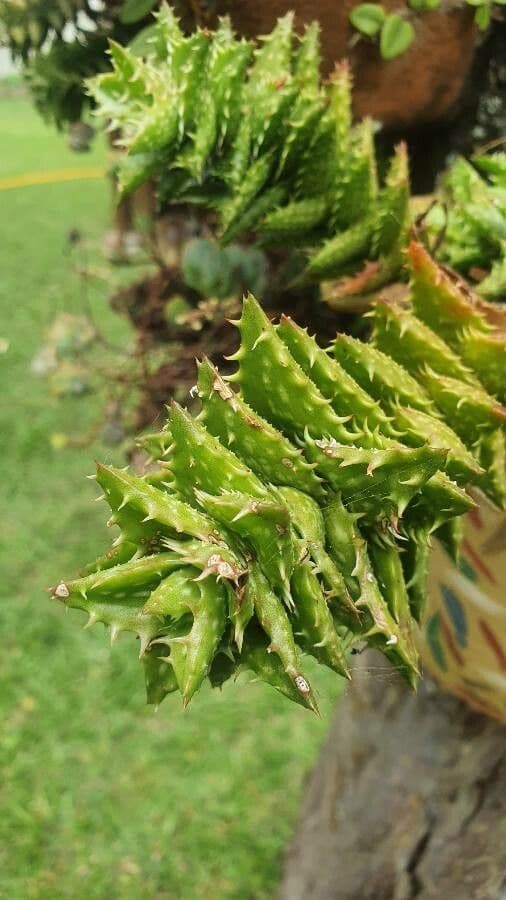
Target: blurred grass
x=100 y=797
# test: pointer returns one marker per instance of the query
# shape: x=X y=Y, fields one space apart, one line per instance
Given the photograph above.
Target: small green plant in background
x=467 y=224
x=222 y=272
x=293 y=516
x=483 y=11
x=395 y=30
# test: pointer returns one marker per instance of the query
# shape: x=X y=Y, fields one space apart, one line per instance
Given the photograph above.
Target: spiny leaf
x=486 y=356
x=275 y=623
x=264 y=525
x=468 y=408
x=392 y=217
x=159 y=676
x=415 y=563
x=261 y=446
x=145 y=514
x=307 y=521
x=275 y=385
x=438 y=301
x=491 y=452
x=198 y=461
x=420 y=428
x=256 y=657
x=191 y=654
x=376 y=483
x=398 y=333
x=348 y=246
x=315 y=624
x=346 y=396
x=379 y=375
x=380 y=627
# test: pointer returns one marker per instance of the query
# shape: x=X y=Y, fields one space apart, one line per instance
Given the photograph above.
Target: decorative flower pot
x=464 y=626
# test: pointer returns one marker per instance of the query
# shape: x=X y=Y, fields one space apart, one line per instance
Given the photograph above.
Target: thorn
x=246 y=510
x=186 y=700
x=144 y=639
x=260 y=339
x=165 y=639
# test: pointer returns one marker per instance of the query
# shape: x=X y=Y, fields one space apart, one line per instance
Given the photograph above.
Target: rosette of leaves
x=250 y=133
x=292 y=516
x=470 y=217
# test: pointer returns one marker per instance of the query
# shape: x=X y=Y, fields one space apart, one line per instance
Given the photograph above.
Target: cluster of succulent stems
x=251 y=134
x=293 y=514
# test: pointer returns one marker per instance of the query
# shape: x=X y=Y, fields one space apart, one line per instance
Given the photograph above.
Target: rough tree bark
x=407 y=800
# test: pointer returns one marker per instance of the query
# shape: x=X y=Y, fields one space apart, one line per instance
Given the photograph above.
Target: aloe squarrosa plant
x=292 y=513
x=252 y=135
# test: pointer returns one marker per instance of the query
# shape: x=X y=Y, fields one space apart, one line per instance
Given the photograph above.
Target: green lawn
x=99 y=796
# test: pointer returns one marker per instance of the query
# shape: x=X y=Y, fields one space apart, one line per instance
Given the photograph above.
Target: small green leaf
x=396 y=36
x=368 y=18
x=482 y=16
x=134 y=10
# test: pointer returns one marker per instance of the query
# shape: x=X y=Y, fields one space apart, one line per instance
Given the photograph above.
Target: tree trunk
x=407 y=800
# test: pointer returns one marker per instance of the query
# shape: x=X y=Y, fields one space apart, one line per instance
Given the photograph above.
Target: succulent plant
x=471 y=217
x=293 y=514
x=251 y=133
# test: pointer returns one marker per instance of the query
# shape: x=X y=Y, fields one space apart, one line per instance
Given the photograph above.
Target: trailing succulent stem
x=293 y=515
x=251 y=133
